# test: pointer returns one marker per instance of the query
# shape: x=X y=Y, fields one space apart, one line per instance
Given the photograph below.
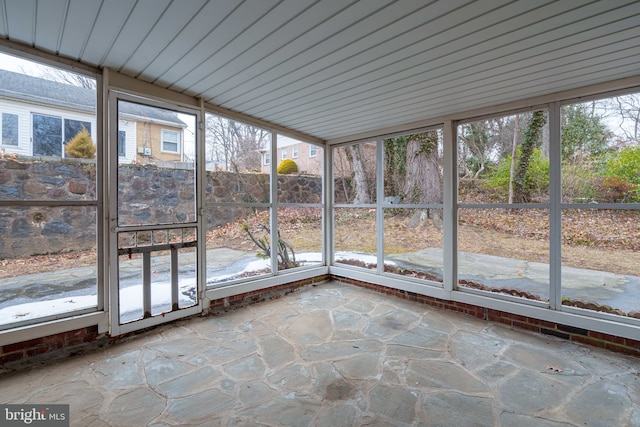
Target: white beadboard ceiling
x=334 y=68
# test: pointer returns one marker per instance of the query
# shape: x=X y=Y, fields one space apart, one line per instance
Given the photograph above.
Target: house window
x=50 y=131
x=294 y=150
x=267 y=158
x=9 y=129
x=72 y=127
x=284 y=153
x=170 y=141
x=122 y=143
x=313 y=151
x=47 y=135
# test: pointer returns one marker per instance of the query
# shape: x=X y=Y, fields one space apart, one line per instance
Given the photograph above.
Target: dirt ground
x=605 y=240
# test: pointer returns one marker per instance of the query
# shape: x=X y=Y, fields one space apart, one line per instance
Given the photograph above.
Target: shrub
x=287 y=167
x=613 y=189
x=578 y=182
x=537 y=177
x=624 y=167
x=81 y=146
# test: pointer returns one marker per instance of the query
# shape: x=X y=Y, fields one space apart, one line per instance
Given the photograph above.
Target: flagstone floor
x=337 y=355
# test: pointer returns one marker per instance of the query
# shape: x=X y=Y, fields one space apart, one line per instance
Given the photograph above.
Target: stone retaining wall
x=149 y=194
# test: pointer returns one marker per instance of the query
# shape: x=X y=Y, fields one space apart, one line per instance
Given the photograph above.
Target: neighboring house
x=308 y=157
x=38 y=116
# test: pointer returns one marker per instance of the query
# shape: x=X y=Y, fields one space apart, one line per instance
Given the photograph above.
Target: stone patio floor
x=337 y=355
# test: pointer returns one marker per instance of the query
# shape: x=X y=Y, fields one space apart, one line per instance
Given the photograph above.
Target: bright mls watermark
x=34 y=415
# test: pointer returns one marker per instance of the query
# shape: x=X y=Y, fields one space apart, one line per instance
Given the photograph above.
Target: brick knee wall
x=87 y=339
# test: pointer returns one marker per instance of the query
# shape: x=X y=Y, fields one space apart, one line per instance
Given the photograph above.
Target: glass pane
x=232 y=252
x=235 y=146
x=354 y=172
x=73 y=127
x=299 y=180
x=160 y=282
x=47 y=261
x=47 y=135
x=159 y=262
x=412 y=168
x=413 y=243
x=355 y=237
x=601 y=260
x=235 y=156
x=505 y=251
x=156 y=187
x=301 y=233
x=601 y=151
x=9 y=129
x=504 y=159
x=130 y=287
x=187 y=277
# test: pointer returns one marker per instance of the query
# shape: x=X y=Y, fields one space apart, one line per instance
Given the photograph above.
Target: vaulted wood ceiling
x=333 y=68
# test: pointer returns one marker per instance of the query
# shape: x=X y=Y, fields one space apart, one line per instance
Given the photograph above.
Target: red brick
x=607 y=337
x=6 y=358
x=541 y=323
x=10 y=348
x=621 y=349
x=588 y=340
x=632 y=343
x=515 y=317
x=54 y=338
x=36 y=351
x=525 y=325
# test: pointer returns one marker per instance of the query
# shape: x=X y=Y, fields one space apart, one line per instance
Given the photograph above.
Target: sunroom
x=167 y=159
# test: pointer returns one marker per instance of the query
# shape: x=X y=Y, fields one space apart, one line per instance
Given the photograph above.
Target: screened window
x=267 y=159
x=122 y=143
x=294 y=151
x=284 y=153
x=170 y=141
x=313 y=151
x=9 y=129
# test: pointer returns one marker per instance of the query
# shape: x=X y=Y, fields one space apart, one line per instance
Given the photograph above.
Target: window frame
x=164 y=132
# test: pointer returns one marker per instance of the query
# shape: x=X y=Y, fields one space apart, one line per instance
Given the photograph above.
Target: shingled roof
x=37 y=90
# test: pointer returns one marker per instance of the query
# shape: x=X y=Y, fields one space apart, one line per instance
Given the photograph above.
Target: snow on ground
x=131 y=296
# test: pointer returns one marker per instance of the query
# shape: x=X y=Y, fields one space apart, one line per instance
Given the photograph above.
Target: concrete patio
x=337 y=355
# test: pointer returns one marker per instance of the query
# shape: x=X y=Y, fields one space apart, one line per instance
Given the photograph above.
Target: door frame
x=115 y=327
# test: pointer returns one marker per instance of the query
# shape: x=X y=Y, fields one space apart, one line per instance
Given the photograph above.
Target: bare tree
x=63 y=76
x=628 y=108
x=233 y=145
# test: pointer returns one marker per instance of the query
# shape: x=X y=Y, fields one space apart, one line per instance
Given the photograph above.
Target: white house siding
x=129 y=127
x=24 y=126
x=24 y=111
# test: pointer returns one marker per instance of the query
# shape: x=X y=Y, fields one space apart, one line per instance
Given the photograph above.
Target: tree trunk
x=513 y=159
x=423 y=179
x=532 y=138
x=361 y=183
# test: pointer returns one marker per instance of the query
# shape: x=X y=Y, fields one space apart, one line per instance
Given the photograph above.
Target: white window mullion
x=555 y=208
x=273 y=218
x=379 y=211
x=450 y=208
